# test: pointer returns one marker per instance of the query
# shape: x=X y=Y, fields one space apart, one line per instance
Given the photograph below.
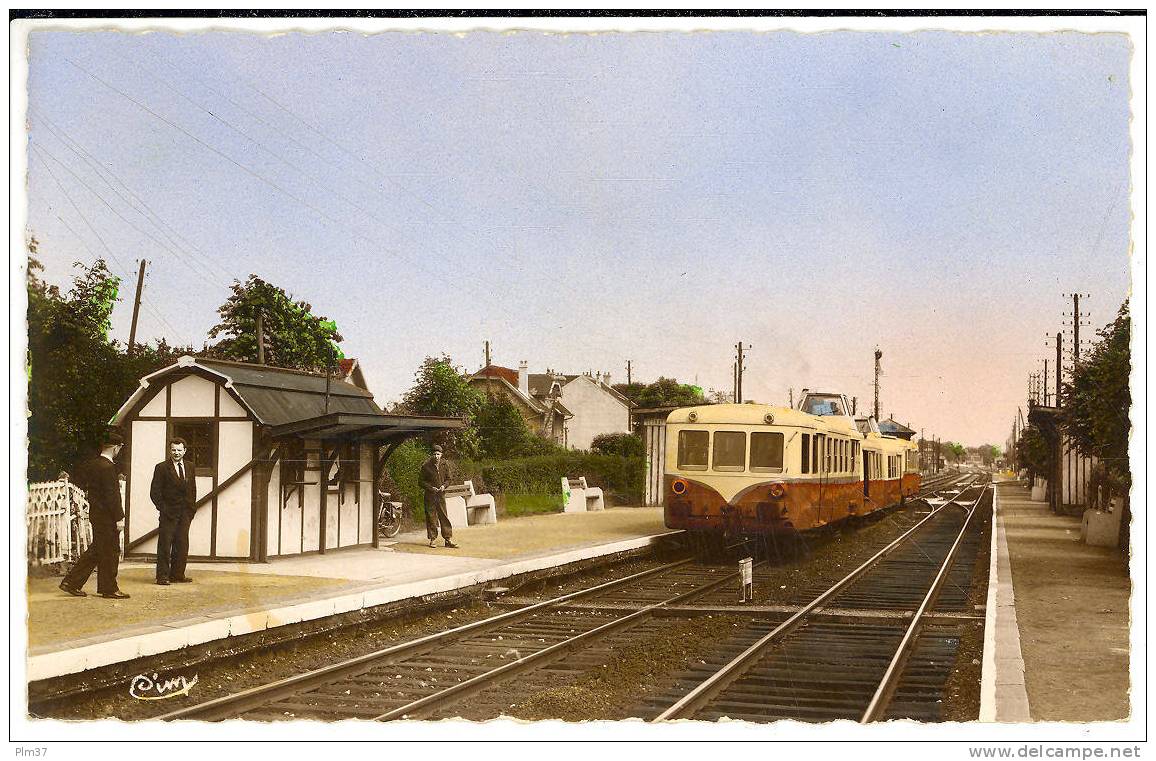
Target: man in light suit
x=174 y=492
x=99 y=479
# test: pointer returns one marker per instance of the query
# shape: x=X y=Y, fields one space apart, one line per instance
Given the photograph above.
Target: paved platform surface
x=1067 y=622
x=69 y=634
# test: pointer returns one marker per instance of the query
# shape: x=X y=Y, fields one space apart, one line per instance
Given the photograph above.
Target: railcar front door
x=866 y=475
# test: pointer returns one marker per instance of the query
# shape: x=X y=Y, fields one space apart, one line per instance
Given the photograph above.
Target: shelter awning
x=365 y=427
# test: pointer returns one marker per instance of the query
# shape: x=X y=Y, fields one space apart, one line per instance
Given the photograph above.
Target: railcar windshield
x=693 y=447
x=767 y=452
x=730 y=450
x=823 y=404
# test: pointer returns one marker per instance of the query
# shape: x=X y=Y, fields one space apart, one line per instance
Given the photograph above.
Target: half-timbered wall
x=294 y=524
x=221 y=527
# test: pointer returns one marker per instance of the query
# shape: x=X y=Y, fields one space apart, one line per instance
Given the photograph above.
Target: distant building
x=571 y=410
x=546 y=416
x=890 y=427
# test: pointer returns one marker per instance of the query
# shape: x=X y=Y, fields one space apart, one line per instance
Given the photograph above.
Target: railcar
x=750 y=469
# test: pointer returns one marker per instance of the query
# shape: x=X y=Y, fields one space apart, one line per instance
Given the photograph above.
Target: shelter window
x=767 y=452
x=693 y=448
x=730 y=450
x=805 y=464
x=344 y=465
x=201 y=443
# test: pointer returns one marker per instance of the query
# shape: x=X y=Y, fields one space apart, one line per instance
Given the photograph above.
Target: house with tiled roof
x=570 y=409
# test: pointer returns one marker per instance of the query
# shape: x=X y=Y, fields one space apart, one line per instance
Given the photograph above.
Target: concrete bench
x=465 y=507
x=577 y=497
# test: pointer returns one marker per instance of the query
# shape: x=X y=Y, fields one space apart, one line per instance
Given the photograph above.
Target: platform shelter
x=285 y=461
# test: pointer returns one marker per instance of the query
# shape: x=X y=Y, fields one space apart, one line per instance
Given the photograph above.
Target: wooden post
x=136 y=306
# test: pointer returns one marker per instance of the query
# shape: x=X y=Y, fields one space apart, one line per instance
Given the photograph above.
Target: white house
x=285 y=461
x=594 y=406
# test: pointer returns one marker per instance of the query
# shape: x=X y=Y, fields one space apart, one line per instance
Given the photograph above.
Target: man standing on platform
x=174 y=492
x=98 y=478
x=434 y=475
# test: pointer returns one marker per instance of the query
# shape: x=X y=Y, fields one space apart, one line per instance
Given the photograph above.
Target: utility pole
x=739 y=367
x=136 y=306
x=260 y=338
x=1045 y=381
x=735 y=382
x=792 y=397
x=628 y=372
x=487 y=353
x=854 y=405
x=1059 y=347
x=878 y=372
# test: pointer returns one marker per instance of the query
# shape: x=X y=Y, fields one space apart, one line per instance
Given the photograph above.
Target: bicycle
x=389 y=516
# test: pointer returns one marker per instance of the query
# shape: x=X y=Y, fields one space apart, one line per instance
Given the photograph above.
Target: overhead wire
x=41 y=153
x=210 y=267
x=111 y=208
x=354 y=233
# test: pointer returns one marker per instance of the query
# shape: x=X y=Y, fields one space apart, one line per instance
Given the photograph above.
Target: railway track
x=532 y=646
x=847 y=666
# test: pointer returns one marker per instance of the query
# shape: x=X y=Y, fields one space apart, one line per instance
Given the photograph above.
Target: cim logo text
x=145 y=687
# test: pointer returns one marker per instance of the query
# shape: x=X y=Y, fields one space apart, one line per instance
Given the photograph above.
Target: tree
x=1034 y=452
x=1097 y=399
x=77 y=377
x=294 y=336
x=440 y=389
x=502 y=431
x=664 y=392
x=954 y=451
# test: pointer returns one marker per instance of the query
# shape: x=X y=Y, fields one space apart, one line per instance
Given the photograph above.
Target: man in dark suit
x=174 y=492
x=99 y=479
x=434 y=475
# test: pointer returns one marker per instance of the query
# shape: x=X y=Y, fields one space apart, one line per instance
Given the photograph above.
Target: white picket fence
x=57 y=522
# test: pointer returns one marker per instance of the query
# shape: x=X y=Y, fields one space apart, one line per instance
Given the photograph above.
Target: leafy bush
x=622 y=478
x=621 y=444
x=404 y=467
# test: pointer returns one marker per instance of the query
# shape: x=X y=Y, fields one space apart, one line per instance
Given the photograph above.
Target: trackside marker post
x=746 y=575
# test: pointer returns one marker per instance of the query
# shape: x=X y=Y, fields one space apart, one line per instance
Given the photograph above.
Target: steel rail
x=461 y=689
x=225 y=707
x=890 y=681
x=702 y=694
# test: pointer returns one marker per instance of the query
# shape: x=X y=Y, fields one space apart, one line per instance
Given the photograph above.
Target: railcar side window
x=830 y=464
x=805 y=465
x=767 y=452
x=817 y=453
x=693 y=447
x=730 y=450
x=854 y=456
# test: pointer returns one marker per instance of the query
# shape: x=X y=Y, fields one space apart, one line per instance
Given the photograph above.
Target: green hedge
x=622 y=478
x=537 y=478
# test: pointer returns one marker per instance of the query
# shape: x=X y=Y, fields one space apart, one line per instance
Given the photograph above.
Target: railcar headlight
x=768 y=418
x=693 y=416
x=678 y=487
x=778 y=490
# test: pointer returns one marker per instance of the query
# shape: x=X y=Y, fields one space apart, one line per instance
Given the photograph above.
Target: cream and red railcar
x=742 y=469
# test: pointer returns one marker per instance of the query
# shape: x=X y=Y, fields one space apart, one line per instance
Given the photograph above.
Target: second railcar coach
x=746 y=469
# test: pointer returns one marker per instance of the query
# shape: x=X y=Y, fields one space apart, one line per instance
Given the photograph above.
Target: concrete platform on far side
x=1058 y=634
x=70 y=634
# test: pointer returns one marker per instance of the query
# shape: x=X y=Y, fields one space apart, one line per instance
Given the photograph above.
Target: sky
x=582 y=201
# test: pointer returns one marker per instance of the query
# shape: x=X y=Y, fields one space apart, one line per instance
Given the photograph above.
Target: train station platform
x=1057 y=628
x=70 y=634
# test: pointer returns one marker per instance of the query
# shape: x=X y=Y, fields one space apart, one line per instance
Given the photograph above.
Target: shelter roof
x=291 y=401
